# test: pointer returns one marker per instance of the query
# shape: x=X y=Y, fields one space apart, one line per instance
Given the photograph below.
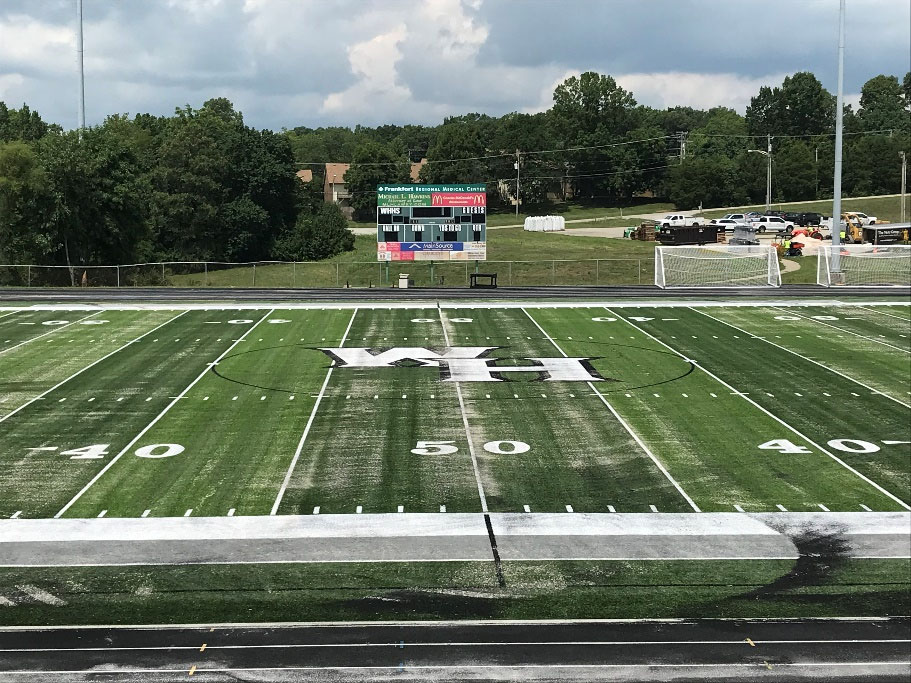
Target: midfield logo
x=466 y=363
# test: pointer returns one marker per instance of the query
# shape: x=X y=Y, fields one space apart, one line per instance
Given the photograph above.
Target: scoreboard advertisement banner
x=431 y=222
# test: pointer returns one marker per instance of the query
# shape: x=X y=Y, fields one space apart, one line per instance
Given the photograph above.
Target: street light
x=768 y=187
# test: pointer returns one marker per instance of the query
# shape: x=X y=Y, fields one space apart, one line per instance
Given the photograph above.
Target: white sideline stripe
x=151 y=424
x=471 y=451
x=505 y=643
x=825 y=367
x=623 y=422
x=840 y=329
x=478 y=667
x=90 y=365
x=303 y=439
x=779 y=420
x=61 y=327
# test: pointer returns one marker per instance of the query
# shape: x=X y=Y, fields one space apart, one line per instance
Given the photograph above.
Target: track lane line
x=840 y=329
x=770 y=414
x=87 y=367
x=623 y=422
x=56 y=329
x=303 y=439
x=802 y=357
x=158 y=417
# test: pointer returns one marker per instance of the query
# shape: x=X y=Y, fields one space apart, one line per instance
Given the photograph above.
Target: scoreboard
x=431 y=222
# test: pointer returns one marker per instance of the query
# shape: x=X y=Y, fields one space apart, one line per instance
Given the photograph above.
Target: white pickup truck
x=679 y=220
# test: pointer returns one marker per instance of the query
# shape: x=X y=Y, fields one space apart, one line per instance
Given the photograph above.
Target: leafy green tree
x=793 y=174
x=906 y=90
x=23 y=124
x=801 y=106
x=709 y=181
x=457 y=156
x=24 y=205
x=316 y=237
x=592 y=102
x=882 y=105
x=374 y=163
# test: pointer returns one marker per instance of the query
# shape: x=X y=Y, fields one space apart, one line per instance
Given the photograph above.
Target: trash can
x=403 y=280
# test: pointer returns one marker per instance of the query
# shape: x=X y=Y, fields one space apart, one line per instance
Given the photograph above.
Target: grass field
x=671 y=414
x=208 y=413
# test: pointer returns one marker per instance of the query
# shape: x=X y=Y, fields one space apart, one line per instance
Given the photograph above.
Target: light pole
x=768 y=181
x=904 y=157
x=79 y=62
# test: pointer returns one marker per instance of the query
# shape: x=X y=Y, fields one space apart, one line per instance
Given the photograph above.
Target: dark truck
x=691 y=234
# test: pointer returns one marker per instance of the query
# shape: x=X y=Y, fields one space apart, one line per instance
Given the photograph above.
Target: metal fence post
x=553 y=272
x=29 y=276
x=205 y=266
x=162 y=274
x=338 y=278
x=597 y=272
x=639 y=268
x=254 y=275
x=118 y=276
x=510 y=272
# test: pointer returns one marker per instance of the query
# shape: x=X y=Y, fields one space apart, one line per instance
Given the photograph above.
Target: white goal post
x=717 y=265
x=864 y=265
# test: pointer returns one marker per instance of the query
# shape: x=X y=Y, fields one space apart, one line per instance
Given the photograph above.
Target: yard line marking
x=401 y=508
x=569 y=508
x=102 y=514
x=303 y=439
x=610 y=508
x=823 y=507
x=231 y=512
x=781 y=422
x=526 y=508
x=316 y=510
x=866 y=508
x=442 y=508
x=154 y=422
x=738 y=508
x=890 y=442
x=840 y=329
x=90 y=365
x=43 y=448
x=471 y=451
x=653 y=508
x=874 y=310
x=51 y=331
x=188 y=512
x=781 y=507
x=623 y=422
x=16 y=514
x=145 y=513
x=358 y=510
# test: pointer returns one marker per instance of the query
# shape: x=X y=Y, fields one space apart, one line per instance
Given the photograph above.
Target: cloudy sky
x=286 y=63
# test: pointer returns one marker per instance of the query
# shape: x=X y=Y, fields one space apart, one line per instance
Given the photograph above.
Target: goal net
x=717 y=265
x=864 y=265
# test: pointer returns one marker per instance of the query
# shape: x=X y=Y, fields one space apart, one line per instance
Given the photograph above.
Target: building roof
x=335 y=173
x=306 y=175
x=416 y=169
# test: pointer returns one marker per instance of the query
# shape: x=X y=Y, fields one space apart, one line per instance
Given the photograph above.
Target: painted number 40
x=844 y=445
x=97 y=451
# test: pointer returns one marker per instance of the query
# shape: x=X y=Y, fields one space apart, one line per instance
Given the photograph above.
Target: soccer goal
x=864 y=265
x=717 y=265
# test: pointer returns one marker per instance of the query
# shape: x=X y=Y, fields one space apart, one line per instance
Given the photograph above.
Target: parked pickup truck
x=772 y=224
x=679 y=220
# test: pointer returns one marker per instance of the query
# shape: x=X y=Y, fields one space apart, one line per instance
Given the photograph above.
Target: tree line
x=202 y=185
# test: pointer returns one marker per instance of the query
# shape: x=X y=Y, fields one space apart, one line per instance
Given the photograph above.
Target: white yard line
x=840 y=329
x=158 y=417
x=873 y=310
x=303 y=439
x=8 y=314
x=772 y=415
x=809 y=360
x=623 y=422
x=55 y=329
x=79 y=372
x=471 y=451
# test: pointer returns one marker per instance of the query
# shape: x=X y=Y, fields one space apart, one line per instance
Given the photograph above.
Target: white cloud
x=9 y=84
x=698 y=90
x=373 y=61
x=42 y=47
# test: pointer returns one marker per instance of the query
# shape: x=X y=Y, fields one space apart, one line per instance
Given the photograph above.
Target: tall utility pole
x=839 y=131
x=79 y=64
x=682 y=135
x=904 y=157
x=518 y=163
x=768 y=182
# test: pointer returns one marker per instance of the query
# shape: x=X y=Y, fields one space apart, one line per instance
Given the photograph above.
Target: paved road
x=139 y=294
x=778 y=650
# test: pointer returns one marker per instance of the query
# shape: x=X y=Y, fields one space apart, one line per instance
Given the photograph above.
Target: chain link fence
x=308 y=275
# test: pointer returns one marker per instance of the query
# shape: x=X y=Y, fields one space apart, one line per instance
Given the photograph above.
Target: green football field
x=196 y=411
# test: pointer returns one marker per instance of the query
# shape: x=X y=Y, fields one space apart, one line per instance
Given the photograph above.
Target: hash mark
x=102 y=514
x=569 y=508
x=442 y=508
x=653 y=508
x=713 y=395
x=738 y=508
x=316 y=510
x=781 y=507
x=231 y=512
x=401 y=508
x=188 y=512
x=358 y=510
x=866 y=508
x=145 y=513
x=610 y=508
x=526 y=508
x=16 y=514
x=823 y=507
